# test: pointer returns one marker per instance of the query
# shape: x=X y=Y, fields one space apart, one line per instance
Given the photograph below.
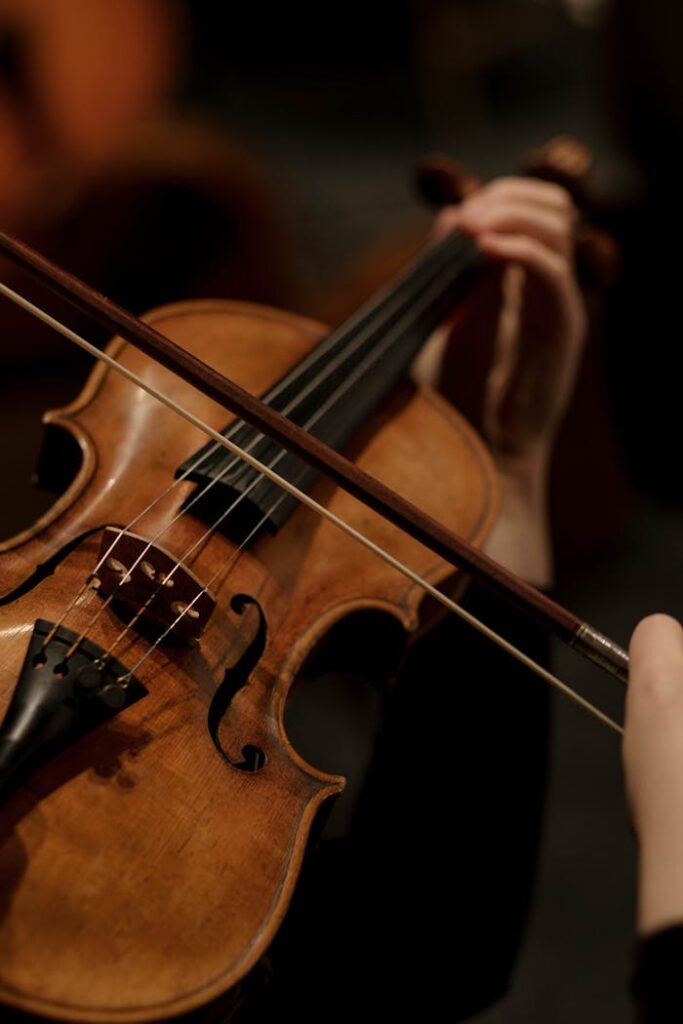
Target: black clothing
x=657 y=980
x=423 y=904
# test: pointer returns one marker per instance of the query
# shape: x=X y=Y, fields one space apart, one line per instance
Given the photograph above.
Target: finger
x=531 y=190
x=531 y=195
x=656 y=653
x=550 y=227
x=532 y=254
x=553 y=309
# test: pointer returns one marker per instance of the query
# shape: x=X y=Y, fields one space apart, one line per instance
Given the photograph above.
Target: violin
x=154 y=621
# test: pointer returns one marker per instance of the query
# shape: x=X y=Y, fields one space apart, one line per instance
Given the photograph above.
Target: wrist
x=521 y=539
x=526 y=470
x=660 y=870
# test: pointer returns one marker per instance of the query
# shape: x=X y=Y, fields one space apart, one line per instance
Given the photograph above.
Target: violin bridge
x=151 y=585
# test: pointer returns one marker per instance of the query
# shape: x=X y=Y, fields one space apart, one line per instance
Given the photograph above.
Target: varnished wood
x=141 y=875
x=376 y=495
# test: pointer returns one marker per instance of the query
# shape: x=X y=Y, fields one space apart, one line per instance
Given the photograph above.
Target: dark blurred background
x=165 y=150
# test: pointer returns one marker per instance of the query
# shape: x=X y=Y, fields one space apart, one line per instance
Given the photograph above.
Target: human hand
x=534 y=311
x=527 y=225
x=653 y=765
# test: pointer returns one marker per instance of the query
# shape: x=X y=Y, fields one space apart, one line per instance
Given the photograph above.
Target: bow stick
x=555 y=619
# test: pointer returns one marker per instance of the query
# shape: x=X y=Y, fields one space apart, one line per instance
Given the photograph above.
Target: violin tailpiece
x=54 y=703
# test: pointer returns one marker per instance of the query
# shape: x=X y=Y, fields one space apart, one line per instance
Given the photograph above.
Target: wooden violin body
x=145 y=868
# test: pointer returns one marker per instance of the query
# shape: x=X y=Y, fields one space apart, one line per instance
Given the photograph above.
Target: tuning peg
x=565 y=161
x=442 y=181
x=568 y=163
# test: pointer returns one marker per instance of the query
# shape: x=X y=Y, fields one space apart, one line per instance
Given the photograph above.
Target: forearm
x=660 y=879
x=521 y=539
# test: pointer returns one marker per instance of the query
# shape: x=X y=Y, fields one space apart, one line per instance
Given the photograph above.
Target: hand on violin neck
x=527 y=226
x=530 y=317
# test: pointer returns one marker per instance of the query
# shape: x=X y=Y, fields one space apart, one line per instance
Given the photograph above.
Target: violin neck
x=334 y=388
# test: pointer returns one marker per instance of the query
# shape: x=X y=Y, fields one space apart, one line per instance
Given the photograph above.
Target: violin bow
x=555 y=619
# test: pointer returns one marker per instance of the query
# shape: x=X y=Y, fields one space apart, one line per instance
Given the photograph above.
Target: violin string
x=322 y=511
x=407 y=308
x=178 y=565
x=222 y=570
x=367 y=364
x=361 y=369
x=371 y=311
x=451 y=605
x=91 y=580
x=374 y=307
x=104 y=604
x=445 y=269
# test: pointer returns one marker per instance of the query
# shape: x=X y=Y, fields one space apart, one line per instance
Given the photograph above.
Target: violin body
x=145 y=868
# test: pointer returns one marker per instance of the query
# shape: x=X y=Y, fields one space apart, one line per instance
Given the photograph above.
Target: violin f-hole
x=234 y=679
